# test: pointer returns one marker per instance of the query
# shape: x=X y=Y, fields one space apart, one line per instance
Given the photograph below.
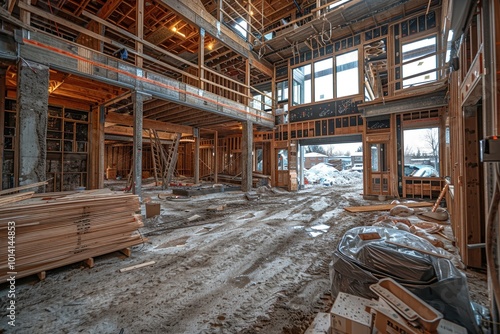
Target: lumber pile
x=57 y=229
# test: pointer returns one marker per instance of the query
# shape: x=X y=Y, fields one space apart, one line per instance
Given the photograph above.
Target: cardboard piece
x=350 y=314
x=320 y=325
x=152 y=209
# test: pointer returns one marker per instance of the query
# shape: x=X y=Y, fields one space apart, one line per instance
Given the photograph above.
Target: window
x=421 y=152
x=323 y=80
x=282 y=91
x=301 y=90
x=242 y=28
x=418 y=50
x=347 y=82
x=257 y=102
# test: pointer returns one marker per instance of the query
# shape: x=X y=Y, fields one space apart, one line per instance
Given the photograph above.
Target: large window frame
x=346 y=70
x=420 y=61
x=315 y=80
x=323 y=79
x=302 y=84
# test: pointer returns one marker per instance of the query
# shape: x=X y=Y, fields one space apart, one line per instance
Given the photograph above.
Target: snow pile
x=328 y=175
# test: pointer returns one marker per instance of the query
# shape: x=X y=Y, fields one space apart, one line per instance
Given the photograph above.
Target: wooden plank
x=27 y=186
x=145 y=264
x=148 y=123
x=67 y=228
x=4 y=200
x=386 y=207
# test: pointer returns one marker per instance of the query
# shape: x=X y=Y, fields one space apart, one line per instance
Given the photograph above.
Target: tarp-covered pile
x=359 y=262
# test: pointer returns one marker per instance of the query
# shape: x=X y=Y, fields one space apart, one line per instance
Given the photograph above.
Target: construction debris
x=137 y=266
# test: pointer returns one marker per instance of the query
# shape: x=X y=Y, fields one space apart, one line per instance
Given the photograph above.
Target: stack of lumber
x=57 y=229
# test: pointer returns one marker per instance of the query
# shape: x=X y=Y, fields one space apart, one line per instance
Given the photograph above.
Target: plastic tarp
x=358 y=263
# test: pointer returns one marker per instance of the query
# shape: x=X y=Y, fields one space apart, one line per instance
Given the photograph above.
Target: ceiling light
x=174 y=29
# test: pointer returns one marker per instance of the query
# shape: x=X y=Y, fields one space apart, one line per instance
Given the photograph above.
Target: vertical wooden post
x=201 y=58
x=216 y=154
x=197 y=155
x=137 y=101
x=25 y=15
x=248 y=92
x=219 y=10
x=139 y=31
x=246 y=150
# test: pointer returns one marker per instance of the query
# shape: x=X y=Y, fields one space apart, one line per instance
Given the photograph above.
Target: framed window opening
x=347 y=74
x=419 y=61
x=421 y=152
x=301 y=89
x=323 y=80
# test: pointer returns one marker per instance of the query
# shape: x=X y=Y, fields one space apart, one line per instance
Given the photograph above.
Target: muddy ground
x=257 y=266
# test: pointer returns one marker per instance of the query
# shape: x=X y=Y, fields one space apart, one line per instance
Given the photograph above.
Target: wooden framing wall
x=119 y=157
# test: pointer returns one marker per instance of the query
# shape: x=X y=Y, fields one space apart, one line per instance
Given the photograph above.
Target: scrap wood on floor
x=386 y=207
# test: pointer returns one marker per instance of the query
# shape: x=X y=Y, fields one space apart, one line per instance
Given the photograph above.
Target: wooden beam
x=194 y=12
x=139 y=31
x=11 y=5
x=127 y=131
x=135 y=38
x=148 y=123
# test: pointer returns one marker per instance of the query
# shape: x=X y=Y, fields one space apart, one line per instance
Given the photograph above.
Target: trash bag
x=357 y=263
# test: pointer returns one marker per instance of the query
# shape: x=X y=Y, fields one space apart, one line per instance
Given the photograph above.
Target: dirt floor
x=256 y=266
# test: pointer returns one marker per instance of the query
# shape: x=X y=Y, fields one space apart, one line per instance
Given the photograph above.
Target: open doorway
x=332 y=163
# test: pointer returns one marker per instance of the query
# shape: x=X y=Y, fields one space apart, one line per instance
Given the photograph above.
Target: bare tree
x=408 y=153
x=431 y=137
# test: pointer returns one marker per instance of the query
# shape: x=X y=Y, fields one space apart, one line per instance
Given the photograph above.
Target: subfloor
x=224 y=263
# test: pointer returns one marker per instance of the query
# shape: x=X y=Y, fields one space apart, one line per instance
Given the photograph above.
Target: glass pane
x=421 y=152
x=257 y=102
x=323 y=80
x=282 y=90
x=416 y=50
x=375 y=158
x=301 y=92
x=347 y=82
x=283 y=159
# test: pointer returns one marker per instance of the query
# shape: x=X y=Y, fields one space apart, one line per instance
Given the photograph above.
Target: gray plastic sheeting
x=359 y=263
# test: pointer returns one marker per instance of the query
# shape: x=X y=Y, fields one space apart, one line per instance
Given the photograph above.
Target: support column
x=137 y=101
x=96 y=153
x=201 y=58
x=216 y=156
x=32 y=106
x=302 y=165
x=246 y=150
x=197 y=156
x=139 y=31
